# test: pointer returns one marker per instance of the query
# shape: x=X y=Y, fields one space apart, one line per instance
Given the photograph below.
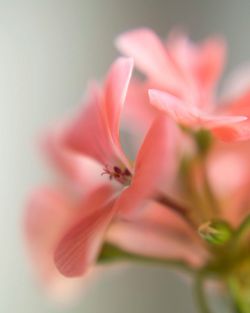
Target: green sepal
x=216 y=232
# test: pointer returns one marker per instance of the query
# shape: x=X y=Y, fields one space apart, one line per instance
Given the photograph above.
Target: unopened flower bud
x=216 y=232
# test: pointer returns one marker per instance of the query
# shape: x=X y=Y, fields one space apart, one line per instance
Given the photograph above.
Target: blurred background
x=48 y=50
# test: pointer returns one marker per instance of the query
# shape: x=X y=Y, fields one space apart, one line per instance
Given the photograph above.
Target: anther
x=117 y=170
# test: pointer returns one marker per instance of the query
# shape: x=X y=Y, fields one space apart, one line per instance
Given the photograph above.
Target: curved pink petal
x=150 y=56
x=190 y=116
x=80 y=244
x=158 y=232
x=154 y=165
x=155 y=158
x=95 y=130
x=116 y=88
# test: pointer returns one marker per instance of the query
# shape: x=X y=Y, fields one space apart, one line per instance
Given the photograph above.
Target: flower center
x=123 y=176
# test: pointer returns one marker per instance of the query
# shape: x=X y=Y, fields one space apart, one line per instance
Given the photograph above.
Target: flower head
x=184 y=77
x=183 y=197
x=88 y=142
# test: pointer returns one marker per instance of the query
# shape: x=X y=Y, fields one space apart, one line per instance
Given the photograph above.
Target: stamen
x=127 y=172
x=117 y=170
x=120 y=175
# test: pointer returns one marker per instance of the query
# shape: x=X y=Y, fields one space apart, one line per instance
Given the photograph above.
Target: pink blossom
x=181 y=198
x=185 y=76
x=80 y=147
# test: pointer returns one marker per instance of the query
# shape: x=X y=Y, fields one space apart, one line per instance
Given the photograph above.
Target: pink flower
x=68 y=227
x=180 y=199
x=185 y=77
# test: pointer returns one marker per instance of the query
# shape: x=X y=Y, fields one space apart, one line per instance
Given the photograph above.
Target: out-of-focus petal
x=46 y=216
x=150 y=56
x=95 y=131
x=158 y=232
x=234 y=132
x=210 y=59
x=80 y=170
x=239 y=104
x=180 y=50
x=173 y=106
x=116 y=88
x=192 y=116
x=87 y=133
x=154 y=165
x=79 y=245
x=229 y=174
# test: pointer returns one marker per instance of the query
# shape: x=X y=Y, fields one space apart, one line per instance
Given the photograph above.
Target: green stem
x=238 y=236
x=214 y=205
x=111 y=253
x=245 y=225
x=241 y=300
x=199 y=289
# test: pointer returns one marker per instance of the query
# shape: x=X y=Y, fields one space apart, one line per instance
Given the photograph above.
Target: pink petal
x=156 y=152
x=229 y=174
x=154 y=165
x=188 y=115
x=46 y=216
x=149 y=54
x=239 y=105
x=181 y=52
x=158 y=232
x=95 y=131
x=116 y=88
x=200 y=66
x=80 y=244
x=87 y=133
x=173 y=106
x=210 y=60
x=237 y=132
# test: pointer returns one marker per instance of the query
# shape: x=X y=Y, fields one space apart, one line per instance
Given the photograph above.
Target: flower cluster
x=180 y=193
